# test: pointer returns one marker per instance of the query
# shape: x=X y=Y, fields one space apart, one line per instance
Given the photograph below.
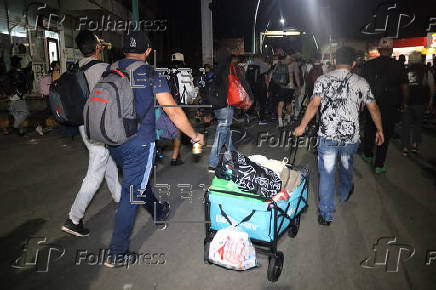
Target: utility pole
x=135 y=13
x=207 y=31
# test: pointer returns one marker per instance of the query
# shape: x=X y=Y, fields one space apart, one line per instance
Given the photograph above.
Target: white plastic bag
x=232 y=249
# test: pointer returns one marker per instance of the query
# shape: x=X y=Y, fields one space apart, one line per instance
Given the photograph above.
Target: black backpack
x=380 y=74
x=69 y=94
x=253 y=75
x=210 y=95
x=173 y=85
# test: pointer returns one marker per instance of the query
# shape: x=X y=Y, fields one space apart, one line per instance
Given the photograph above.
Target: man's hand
x=379 y=138
x=376 y=117
x=198 y=139
x=299 y=130
x=404 y=108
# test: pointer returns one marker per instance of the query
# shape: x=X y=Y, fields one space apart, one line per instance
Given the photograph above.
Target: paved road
x=40 y=177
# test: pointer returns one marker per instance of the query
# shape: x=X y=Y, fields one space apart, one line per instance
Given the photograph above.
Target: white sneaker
x=39 y=130
x=280 y=123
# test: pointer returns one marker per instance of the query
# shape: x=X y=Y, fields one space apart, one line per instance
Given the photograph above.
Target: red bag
x=236 y=94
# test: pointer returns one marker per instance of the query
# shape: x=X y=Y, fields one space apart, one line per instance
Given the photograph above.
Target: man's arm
x=432 y=92
x=311 y=110
x=178 y=117
x=431 y=84
x=376 y=118
x=405 y=94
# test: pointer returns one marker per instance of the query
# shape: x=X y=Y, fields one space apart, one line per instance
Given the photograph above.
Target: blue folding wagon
x=263 y=219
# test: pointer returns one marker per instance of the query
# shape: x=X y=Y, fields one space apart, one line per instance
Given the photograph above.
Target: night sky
x=235 y=18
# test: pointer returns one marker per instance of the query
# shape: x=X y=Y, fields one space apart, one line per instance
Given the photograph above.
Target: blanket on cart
x=248 y=175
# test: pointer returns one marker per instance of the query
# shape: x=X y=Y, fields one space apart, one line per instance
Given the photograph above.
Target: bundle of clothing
x=259 y=175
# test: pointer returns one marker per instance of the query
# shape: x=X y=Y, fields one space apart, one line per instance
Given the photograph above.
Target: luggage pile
x=259 y=197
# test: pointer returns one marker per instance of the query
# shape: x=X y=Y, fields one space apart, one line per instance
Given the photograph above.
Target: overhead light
x=274 y=36
x=282 y=21
x=282 y=33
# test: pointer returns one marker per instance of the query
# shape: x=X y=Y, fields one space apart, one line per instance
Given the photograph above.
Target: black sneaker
x=121 y=260
x=211 y=169
x=166 y=209
x=176 y=162
x=75 y=230
x=322 y=221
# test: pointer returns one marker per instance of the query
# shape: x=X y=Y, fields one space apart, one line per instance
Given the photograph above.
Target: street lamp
x=254 y=27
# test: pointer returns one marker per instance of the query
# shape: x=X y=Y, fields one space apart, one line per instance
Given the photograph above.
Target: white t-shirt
x=93 y=74
x=341 y=94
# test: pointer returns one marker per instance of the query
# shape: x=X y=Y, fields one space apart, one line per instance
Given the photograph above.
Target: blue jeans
x=135 y=157
x=328 y=152
x=222 y=134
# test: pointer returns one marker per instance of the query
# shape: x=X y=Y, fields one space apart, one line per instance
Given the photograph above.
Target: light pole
x=135 y=13
x=254 y=27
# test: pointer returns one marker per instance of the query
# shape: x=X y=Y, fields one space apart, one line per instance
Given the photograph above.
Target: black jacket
x=385 y=77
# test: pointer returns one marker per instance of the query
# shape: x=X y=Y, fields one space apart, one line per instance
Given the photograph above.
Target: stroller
x=262 y=218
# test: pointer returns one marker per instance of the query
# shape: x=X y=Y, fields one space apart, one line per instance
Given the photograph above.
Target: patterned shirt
x=341 y=94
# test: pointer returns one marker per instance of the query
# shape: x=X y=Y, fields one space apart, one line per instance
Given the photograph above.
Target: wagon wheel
x=295 y=226
x=275 y=266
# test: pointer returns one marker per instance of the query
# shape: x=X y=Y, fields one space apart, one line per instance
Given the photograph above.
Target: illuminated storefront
x=425 y=45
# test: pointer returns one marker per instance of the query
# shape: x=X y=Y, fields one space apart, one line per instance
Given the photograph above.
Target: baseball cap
x=386 y=42
x=177 y=57
x=136 y=42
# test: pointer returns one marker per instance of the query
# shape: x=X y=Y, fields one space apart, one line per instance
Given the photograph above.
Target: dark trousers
x=389 y=117
x=136 y=160
x=412 y=125
x=262 y=100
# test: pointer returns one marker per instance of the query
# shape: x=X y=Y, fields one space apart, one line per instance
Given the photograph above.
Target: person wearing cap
x=388 y=81
x=420 y=98
x=135 y=157
x=101 y=165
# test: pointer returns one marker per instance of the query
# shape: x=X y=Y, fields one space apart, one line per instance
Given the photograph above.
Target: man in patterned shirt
x=340 y=94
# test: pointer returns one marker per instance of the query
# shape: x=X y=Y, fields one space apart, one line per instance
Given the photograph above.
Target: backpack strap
x=114 y=65
x=89 y=64
x=135 y=65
